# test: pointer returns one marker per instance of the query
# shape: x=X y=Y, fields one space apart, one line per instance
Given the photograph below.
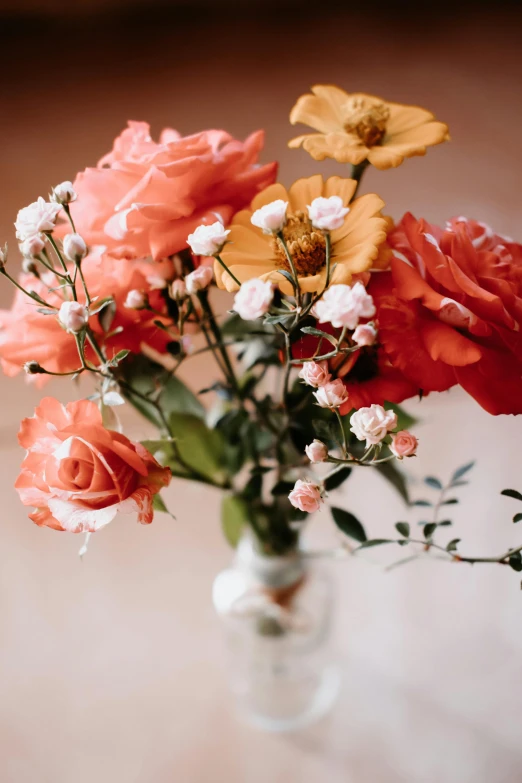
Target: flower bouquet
x=335 y=314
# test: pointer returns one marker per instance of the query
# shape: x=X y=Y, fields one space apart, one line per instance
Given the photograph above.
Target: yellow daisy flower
x=251 y=253
x=354 y=127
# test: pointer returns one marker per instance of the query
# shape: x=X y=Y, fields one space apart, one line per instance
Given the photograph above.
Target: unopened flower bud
x=137 y=300
x=64 y=193
x=3 y=256
x=30 y=267
x=74 y=247
x=32 y=246
x=33 y=368
x=365 y=334
x=178 y=289
x=208 y=240
x=315 y=373
x=199 y=279
x=73 y=316
x=271 y=218
x=316 y=451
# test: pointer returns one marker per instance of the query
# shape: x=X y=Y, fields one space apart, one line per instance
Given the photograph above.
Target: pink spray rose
x=145 y=197
x=315 y=373
x=404 y=444
x=253 y=299
x=316 y=451
x=306 y=496
x=332 y=394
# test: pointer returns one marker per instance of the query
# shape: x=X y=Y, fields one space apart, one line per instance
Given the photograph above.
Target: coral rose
x=27 y=334
x=404 y=444
x=145 y=197
x=450 y=310
x=79 y=475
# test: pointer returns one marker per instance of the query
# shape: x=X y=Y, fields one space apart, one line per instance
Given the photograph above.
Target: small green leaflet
x=348 y=524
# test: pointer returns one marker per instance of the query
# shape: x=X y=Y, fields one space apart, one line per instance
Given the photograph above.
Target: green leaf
x=450 y=502
x=106 y=315
x=511 y=493
x=348 y=524
x=234 y=517
x=143 y=374
x=375 y=542
x=517 y=517
x=279 y=319
x=461 y=471
x=404 y=420
x=100 y=304
x=253 y=488
x=119 y=357
x=158 y=504
x=201 y=448
x=422 y=503
x=445 y=523
x=282 y=488
x=288 y=276
x=429 y=529
x=451 y=547
x=318 y=333
x=337 y=479
x=403 y=528
x=397 y=479
x=433 y=482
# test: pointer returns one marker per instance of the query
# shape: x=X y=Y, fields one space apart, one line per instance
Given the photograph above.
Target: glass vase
x=276 y=612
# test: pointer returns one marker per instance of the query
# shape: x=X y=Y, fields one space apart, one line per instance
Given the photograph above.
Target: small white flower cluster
x=326 y=214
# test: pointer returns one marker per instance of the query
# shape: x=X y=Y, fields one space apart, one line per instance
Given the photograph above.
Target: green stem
x=225 y=267
x=292 y=267
x=343 y=433
x=357 y=174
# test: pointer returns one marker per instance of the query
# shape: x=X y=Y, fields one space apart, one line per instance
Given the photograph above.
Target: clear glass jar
x=276 y=612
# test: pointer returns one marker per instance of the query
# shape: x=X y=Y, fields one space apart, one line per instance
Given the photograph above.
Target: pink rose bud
x=137 y=300
x=343 y=305
x=327 y=214
x=372 y=424
x=271 y=218
x=178 y=289
x=253 y=299
x=64 y=193
x=208 y=240
x=74 y=247
x=306 y=496
x=32 y=247
x=316 y=451
x=332 y=394
x=199 y=279
x=365 y=334
x=404 y=444
x=73 y=316
x=315 y=373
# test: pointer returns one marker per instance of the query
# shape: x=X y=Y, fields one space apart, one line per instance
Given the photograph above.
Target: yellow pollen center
x=367 y=120
x=306 y=245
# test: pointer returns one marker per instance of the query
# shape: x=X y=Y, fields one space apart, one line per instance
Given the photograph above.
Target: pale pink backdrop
x=110 y=667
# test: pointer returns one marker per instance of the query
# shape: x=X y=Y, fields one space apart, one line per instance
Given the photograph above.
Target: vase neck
x=272 y=571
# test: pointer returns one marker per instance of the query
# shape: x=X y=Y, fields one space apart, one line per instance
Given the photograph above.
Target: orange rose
x=145 y=198
x=451 y=308
x=79 y=475
x=27 y=334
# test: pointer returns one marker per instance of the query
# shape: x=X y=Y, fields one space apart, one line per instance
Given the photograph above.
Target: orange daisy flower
x=354 y=245
x=354 y=127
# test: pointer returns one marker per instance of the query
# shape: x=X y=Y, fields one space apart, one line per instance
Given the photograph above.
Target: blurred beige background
x=110 y=667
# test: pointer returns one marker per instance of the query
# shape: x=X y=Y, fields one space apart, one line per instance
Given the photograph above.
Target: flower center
x=367 y=120
x=306 y=245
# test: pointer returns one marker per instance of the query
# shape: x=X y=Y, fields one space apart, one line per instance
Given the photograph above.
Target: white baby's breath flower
x=38 y=217
x=271 y=218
